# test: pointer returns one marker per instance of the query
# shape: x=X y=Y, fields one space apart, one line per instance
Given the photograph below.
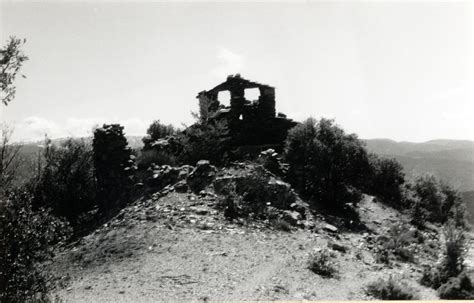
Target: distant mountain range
x=449 y=160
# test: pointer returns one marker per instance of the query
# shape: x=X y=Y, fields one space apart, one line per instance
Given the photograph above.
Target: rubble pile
x=202 y=176
x=249 y=190
x=159 y=176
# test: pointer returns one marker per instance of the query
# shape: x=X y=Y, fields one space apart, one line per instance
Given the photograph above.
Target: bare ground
x=179 y=247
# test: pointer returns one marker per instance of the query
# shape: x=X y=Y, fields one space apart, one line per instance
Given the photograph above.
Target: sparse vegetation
x=457 y=288
x=400 y=241
x=9 y=157
x=321 y=262
x=11 y=60
x=449 y=277
x=391 y=290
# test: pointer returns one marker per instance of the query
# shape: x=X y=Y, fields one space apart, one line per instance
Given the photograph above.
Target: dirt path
x=143 y=258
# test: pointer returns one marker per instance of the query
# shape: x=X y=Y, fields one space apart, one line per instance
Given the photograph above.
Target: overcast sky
x=400 y=70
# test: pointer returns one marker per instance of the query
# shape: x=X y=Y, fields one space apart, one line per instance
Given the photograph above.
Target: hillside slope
x=179 y=247
x=450 y=160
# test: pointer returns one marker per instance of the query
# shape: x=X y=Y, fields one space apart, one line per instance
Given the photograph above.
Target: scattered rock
x=201 y=176
x=338 y=247
x=201 y=211
x=181 y=186
x=292 y=217
x=159 y=177
x=330 y=228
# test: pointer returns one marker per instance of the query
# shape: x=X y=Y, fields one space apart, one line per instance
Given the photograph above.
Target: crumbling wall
x=250 y=122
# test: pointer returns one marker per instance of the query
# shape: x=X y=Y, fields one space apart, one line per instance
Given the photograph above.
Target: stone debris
x=201 y=176
x=330 y=228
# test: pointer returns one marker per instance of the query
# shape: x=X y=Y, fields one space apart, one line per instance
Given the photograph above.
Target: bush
x=114 y=168
x=66 y=182
x=387 y=180
x=458 y=288
x=326 y=165
x=320 y=262
x=452 y=264
x=25 y=239
x=147 y=158
x=157 y=131
x=435 y=201
x=390 y=290
x=400 y=241
x=208 y=141
x=455 y=244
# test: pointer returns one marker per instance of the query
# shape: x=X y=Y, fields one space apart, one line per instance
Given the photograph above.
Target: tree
x=156 y=131
x=66 y=183
x=114 y=167
x=327 y=165
x=9 y=157
x=387 y=180
x=11 y=60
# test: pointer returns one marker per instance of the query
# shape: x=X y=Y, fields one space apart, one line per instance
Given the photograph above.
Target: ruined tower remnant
x=251 y=122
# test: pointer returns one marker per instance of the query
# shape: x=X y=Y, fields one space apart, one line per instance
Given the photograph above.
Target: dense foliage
x=327 y=165
x=387 y=179
x=114 y=167
x=66 y=181
x=434 y=201
x=25 y=238
x=208 y=141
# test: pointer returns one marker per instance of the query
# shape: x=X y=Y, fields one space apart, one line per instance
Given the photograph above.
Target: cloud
x=35 y=128
x=229 y=63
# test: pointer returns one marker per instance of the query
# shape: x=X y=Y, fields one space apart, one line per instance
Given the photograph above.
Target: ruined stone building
x=251 y=122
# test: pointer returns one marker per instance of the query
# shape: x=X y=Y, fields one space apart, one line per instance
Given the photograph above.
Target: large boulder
x=201 y=176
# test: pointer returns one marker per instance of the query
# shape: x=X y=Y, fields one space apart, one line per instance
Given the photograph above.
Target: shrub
x=387 y=180
x=458 y=288
x=208 y=141
x=455 y=242
x=157 y=131
x=390 y=290
x=434 y=201
x=326 y=165
x=280 y=224
x=152 y=156
x=452 y=264
x=66 y=181
x=114 y=167
x=320 y=262
x=399 y=241
x=25 y=239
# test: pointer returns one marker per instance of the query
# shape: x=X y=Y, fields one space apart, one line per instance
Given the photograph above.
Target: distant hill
x=449 y=160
